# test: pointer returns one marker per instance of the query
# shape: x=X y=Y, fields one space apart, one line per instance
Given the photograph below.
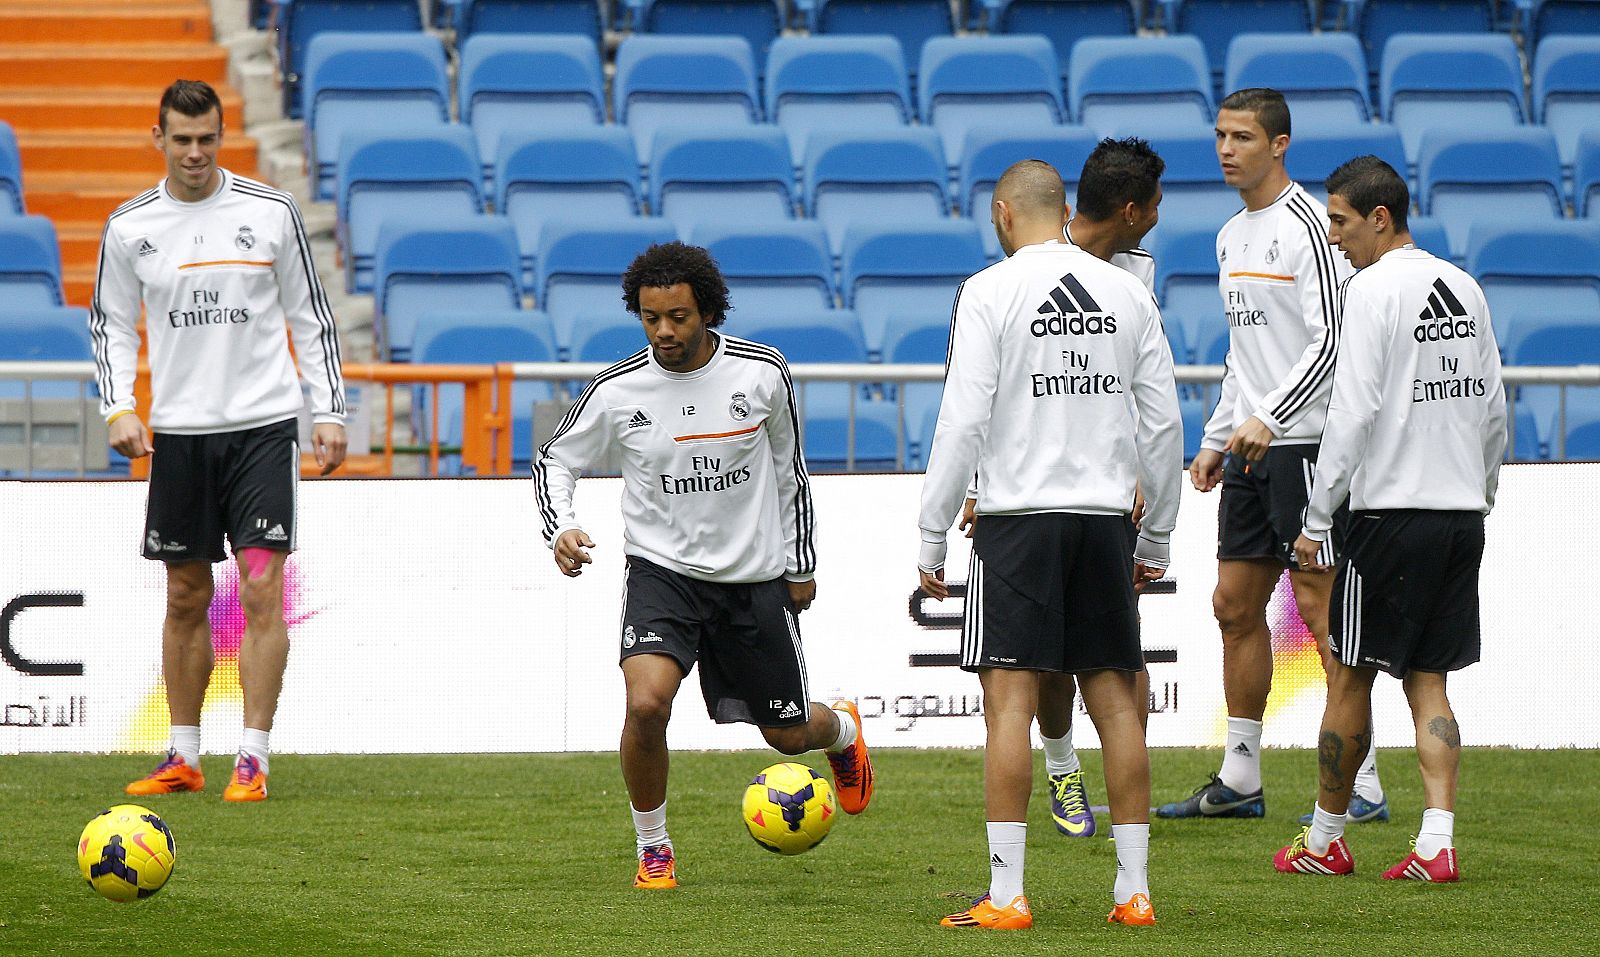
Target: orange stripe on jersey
x=227 y=262
x=1259 y=275
x=715 y=435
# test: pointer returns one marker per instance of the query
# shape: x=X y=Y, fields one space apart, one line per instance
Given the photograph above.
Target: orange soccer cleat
x=983 y=913
x=249 y=783
x=171 y=775
x=1137 y=912
x=852 y=767
x=658 y=869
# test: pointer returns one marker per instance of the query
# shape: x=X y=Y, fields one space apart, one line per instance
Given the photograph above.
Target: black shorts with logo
x=241 y=485
x=1406 y=593
x=1264 y=506
x=1052 y=591
x=744 y=636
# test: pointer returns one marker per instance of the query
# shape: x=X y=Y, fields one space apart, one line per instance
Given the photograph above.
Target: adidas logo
x=1242 y=748
x=1070 y=298
x=1444 y=318
x=145 y=249
x=276 y=534
x=997 y=862
x=639 y=420
x=791 y=710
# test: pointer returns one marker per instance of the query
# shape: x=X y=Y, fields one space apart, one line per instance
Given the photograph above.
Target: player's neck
x=1400 y=240
x=1264 y=193
x=1097 y=239
x=208 y=189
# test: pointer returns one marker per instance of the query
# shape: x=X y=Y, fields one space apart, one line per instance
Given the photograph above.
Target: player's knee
x=648 y=709
x=262 y=597
x=789 y=741
x=1234 y=614
x=188 y=598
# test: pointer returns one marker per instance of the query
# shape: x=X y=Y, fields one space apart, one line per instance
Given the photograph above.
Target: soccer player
x=1280 y=287
x=219 y=263
x=1060 y=396
x=718 y=536
x=1416 y=430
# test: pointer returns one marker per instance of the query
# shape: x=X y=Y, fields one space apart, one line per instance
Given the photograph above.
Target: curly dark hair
x=667 y=264
x=1118 y=172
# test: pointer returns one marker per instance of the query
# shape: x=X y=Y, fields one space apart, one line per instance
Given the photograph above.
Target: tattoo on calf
x=1330 y=753
x=1446 y=730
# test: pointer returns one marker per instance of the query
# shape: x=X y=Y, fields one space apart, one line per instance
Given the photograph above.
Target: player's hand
x=1305 y=554
x=933 y=584
x=802 y=594
x=969 y=517
x=1137 y=515
x=329 y=444
x=570 y=554
x=1206 y=470
x=1250 y=440
x=129 y=436
x=1143 y=575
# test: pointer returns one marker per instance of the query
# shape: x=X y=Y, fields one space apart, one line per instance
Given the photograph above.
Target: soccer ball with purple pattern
x=126 y=853
x=789 y=808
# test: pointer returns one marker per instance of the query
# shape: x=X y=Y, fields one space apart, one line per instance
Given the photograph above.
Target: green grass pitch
x=533 y=854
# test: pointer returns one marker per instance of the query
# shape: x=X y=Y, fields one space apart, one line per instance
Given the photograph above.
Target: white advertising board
x=427 y=616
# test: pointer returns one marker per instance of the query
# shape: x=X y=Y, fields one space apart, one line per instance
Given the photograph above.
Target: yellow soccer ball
x=126 y=853
x=789 y=808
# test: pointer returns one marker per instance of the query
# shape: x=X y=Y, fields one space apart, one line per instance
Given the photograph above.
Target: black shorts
x=744 y=636
x=1406 y=595
x=240 y=484
x=1052 y=591
x=1263 y=509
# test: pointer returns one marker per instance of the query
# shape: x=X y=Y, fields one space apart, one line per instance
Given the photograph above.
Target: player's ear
x=155 y=138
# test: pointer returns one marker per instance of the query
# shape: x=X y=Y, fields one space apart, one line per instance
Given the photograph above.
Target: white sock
x=254 y=744
x=1241 y=760
x=1326 y=827
x=1133 y=861
x=1008 y=845
x=1059 y=758
x=847 y=731
x=650 y=827
x=186 y=742
x=1438 y=832
x=1367 y=784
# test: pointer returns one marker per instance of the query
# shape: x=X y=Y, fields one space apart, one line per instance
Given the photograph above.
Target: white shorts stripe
x=972 y=624
x=294 y=493
x=799 y=655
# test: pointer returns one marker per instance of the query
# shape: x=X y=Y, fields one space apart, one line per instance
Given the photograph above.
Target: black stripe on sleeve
x=97 y=313
x=540 y=480
x=1322 y=366
x=804 y=518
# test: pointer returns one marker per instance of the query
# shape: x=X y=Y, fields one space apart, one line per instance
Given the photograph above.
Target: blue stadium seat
x=828 y=414
x=1566 y=89
x=458 y=262
x=30 y=263
x=1064 y=22
x=922 y=417
x=1530 y=272
x=1450 y=82
x=1554 y=340
x=1492 y=177
x=1428 y=235
x=906 y=268
x=994 y=81
x=814 y=335
x=741 y=174
x=912 y=22
x=483 y=336
x=422 y=172
x=1541 y=18
x=758 y=21
x=299 y=21
x=1376 y=21
x=1317 y=150
x=891 y=175
x=610 y=337
x=580 y=17
x=1186 y=286
x=772 y=269
x=548 y=174
x=10 y=172
x=1322 y=76
x=1218 y=22
x=1149 y=81
x=914 y=337
x=683 y=83
x=44 y=334
x=990 y=151
x=368 y=81
x=835 y=83
x=580 y=267
x=1586 y=175
x=515 y=83
x=1192 y=190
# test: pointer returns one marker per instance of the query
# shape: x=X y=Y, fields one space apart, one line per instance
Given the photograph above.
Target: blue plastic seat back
x=513 y=83
x=1474 y=176
x=1429 y=235
x=1529 y=272
x=1217 y=22
x=547 y=174
x=1566 y=89
x=912 y=22
x=580 y=267
x=1316 y=151
x=989 y=151
x=683 y=83
x=757 y=21
x=742 y=174
x=1186 y=282
x=300 y=21
x=30 y=263
x=914 y=268
x=441 y=262
x=10 y=173
x=815 y=335
x=992 y=81
x=1192 y=188
x=1323 y=76
x=605 y=338
x=1561 y=16
x=836 y=83
x=1452 y=82
x=913 y=337
x=46 y=334
x=895 y=174
x=482 y=337
x=771 y=269
x=579 y=17
x=1159 y=81
x=1381 y=20
x=828 y=430
x=1586 y=175
x=1065 y=22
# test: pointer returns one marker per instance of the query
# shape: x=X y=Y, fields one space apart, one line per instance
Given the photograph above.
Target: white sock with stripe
x=1326 y=827
x=1367 y=784
x=1241 y=758
x=1059 y=758
x=1133 y=861
x=847 y=731
x=1008 y=847
x=186 y=742
x=1437 y=833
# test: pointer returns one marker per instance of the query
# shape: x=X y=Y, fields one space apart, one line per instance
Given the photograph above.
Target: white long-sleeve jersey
x=1059 y=393
x=1418 y=413
x=218 y=280
x=1279 y=281
x=714 y=480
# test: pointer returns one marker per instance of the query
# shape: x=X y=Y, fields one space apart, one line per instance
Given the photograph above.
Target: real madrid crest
x=739 y=408
x=246 y=240
x=1272 y=252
